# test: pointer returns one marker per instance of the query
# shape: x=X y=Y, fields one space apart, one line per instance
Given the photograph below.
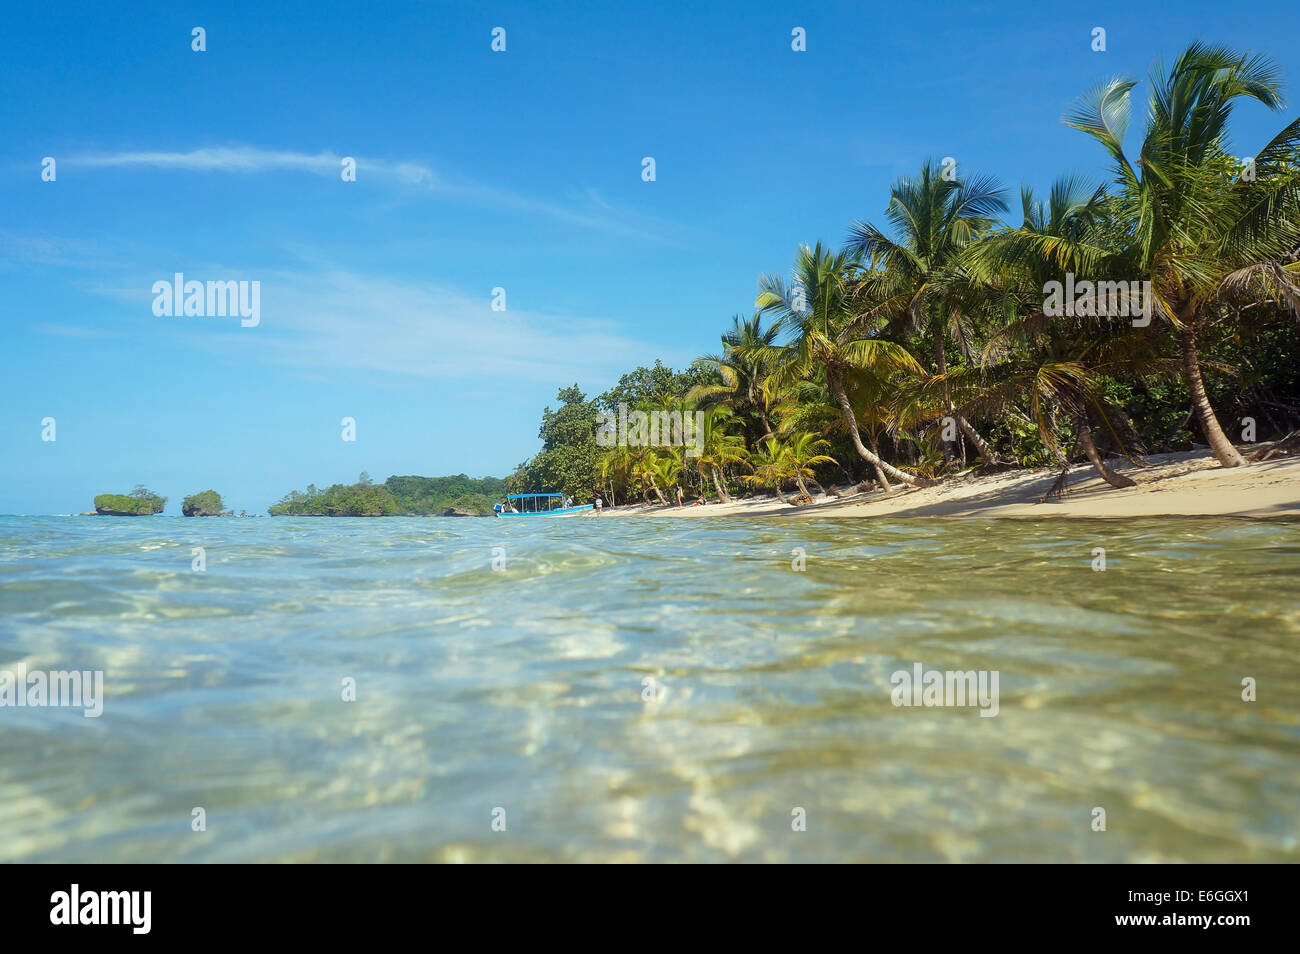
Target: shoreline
x=1182 y=484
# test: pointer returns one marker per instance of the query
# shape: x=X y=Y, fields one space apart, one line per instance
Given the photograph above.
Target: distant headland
x=452 y=496
x=455 y=496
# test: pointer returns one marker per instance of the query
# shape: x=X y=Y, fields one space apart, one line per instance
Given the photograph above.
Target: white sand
x=1183 y=484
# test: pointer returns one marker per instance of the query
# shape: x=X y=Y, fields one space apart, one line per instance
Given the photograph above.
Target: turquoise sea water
x=523 y=689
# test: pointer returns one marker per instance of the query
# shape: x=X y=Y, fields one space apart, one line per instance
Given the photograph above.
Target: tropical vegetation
x=933 y=342
x=140 y=502
x=410 y=495
x=205 y=504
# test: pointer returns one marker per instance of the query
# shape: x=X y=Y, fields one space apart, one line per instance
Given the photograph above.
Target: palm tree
x=639 y=470
x=1197 y=230
x=810 y=406
x=804 y=450
x=1059 y=375
x=935 y=217
x=1056 y=362
x=772 y=466
x=874 y=394
x=616 y=470
x=742 y=370
x=930 y=461
x=663 y=467
x=826 y=337
x=718 y=448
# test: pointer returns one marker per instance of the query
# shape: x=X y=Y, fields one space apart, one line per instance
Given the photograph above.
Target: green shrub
x=205 y=504
x=140 y=502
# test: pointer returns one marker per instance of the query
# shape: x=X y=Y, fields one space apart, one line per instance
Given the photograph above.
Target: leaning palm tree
x=804 y=451
x=934 y=216
x=1200 y=226
x=664 y=469
x=640 y=471
x=874 y=393
x=1053 y=363
x=661 y=468
x=827 y=337
x=718 y=449
x=772 y=467
x=1051 y=378
x=616 y=470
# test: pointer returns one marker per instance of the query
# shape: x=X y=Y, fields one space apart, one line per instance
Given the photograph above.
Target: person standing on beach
x=679 y=496
x=599 y=503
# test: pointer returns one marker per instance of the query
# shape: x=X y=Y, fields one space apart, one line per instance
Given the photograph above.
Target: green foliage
x=433 y=495
x=773 y=466
x=569 y=461
x=572 y=463
x=658 y=386
x=397 y=496
x=205 y=504
x=927 y=344
x=140 y=502
x=476 y=503
x=362 y=499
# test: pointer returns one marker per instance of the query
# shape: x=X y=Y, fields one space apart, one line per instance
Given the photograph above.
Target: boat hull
x=551 y=513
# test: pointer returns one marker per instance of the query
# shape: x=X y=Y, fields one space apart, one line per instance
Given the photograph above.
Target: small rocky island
x=140 y=502
x=410 y=496
x=205 y=504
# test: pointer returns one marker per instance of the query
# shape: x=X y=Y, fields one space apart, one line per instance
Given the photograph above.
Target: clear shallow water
x=522 y=689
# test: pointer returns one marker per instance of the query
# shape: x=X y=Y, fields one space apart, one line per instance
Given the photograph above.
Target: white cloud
x=241 y=159
x=245 y=159
x=590 y=211
x=340 y=319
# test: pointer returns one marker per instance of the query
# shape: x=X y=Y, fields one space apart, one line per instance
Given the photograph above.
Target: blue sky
x=476 y=170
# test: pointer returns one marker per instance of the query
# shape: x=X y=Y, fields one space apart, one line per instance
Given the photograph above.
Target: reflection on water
x=522 y=689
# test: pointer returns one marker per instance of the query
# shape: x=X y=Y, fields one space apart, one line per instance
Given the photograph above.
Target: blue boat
x=536 y=505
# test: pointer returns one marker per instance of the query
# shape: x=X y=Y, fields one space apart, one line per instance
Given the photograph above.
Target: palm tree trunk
x=717 y=485
x=941 y=367
x=989 y=455
x=880 y=474
x=1090 y=450
x=883 y=467
x=1218 y=441
x=803 y=488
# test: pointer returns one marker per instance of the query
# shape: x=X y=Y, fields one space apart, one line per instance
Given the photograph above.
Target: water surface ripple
x=522 y=689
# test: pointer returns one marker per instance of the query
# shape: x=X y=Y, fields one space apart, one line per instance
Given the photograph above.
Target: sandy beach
x=1190 y=483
